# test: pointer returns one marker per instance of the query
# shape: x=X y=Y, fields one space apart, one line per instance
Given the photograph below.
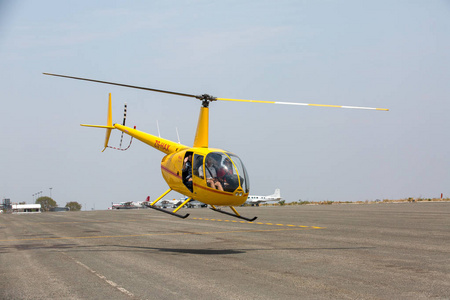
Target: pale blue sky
x=392 y=54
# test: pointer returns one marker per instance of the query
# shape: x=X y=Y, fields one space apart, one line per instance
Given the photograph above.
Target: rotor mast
x=202 y=133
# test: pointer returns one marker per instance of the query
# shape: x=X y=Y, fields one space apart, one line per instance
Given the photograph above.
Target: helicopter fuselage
x=209 y=175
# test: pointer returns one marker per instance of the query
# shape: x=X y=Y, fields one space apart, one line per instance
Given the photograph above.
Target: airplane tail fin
x=109 y=126
x=277 y=194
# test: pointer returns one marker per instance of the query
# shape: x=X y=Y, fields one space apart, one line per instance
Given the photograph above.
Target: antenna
x=176 y=128
x=157 y=125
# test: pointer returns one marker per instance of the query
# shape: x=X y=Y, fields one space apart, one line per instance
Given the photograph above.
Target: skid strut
x=236 y=214
x=168 y=212
x=174 y=212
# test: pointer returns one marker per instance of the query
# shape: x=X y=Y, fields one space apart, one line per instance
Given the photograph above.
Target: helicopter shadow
x=195 y=251
x=176 y=251
x=198 y=251
x=238 y=251
x=115 y=248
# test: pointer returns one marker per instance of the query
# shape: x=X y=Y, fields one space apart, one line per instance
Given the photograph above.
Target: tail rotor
x=121 y=137
x=109 y=127
x=124 y=119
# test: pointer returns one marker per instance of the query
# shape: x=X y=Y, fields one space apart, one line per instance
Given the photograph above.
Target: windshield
x=225 y=171
x=245 y=184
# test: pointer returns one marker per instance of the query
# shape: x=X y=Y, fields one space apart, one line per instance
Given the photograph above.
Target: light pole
x=50 y=193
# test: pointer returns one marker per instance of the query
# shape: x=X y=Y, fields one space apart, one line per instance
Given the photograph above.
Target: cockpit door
x=198 y=170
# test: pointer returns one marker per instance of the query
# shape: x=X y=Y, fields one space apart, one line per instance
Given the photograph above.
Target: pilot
x=187 y=171
x=211 y=174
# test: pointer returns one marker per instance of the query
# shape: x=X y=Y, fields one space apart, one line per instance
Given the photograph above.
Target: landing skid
x=173 y=213
x=168 y=212
x=236 y=215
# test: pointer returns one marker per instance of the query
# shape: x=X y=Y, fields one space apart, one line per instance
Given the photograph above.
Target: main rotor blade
x=208 y=98
x=304 y=104
x=125 y=85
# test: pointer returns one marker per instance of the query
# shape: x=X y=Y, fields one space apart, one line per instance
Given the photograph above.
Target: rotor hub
x=205 y=98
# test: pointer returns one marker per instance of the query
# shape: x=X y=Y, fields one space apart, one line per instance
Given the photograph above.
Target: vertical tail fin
x=277 y=194
x=109 y=126
x=108 y=123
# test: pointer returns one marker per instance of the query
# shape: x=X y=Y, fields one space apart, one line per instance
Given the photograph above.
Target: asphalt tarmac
x=376 y=251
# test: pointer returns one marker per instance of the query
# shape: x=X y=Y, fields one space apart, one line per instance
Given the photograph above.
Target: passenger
x=211 y=174
x=225 y=174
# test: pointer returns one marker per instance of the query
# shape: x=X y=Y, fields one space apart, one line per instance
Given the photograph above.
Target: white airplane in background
x=256 y=200
x=173 y=203
x=170 y=203
x=131 y=204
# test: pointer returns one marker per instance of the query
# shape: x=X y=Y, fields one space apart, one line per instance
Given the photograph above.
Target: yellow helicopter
x=212 y=176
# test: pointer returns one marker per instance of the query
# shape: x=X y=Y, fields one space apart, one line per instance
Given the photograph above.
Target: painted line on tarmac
x=204 y=219
x=86 y=222
x=151 y=234
x=258 y=223
x=110 y=282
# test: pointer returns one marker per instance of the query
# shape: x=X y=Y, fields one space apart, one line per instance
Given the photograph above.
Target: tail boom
x=156 y=142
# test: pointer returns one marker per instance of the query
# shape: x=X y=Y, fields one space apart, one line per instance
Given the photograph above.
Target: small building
x=5 y=206
x=59 y=209
x=25 y=208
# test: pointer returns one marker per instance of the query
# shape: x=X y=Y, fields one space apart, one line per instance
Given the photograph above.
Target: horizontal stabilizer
x=98 y=126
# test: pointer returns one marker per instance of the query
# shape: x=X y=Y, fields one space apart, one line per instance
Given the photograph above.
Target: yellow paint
x=98 y=126
x=160 y=197
x=108 y=123
x=260 y=223
x=243 y=100
x=201 y=136
x=163 y=145
x=235 y=211
x=324 y=105
x=181 y=205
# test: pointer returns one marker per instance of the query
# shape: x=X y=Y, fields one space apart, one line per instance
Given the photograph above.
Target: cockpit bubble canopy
x=228 y=169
